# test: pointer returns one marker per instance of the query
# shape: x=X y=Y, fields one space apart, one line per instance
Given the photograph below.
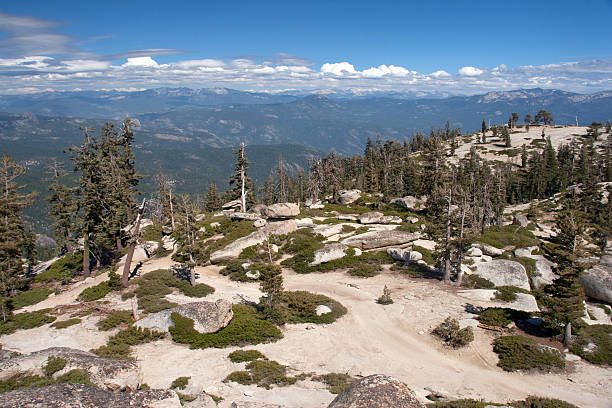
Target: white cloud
x=440 y=74
x=202 y=63
x=383 y=70
x=141 y=62
x=85 y=65
x=34 y=62
x=470 y=71
x=338 y=68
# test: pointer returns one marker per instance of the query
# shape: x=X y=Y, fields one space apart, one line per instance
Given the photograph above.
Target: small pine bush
x=66 y=323
x=300 y=307
x=494 y=316
x=62 y=270
x=240 y=356
x=180 y=383
x=76 y=376
x=263 y=373
x=26 y=320
x=335 y=382
x=508 y=293
x=594 y=344
x=118 y=346
x=53 y=365
x=30 y=297
x=452 y=335
x=116 y=318
x=385 y=298
x=523 y=353
x=95 y=292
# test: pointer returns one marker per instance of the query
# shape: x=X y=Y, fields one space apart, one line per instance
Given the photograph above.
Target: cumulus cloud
x=141 y=62
x=470 y=71
x=383 y=70
x=338 y=68
x=440 y=74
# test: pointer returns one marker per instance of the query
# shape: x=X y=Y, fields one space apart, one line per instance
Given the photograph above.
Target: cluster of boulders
x=597 y=281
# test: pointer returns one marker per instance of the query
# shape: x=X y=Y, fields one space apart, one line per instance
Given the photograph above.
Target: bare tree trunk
x=243 y=181
x=171 y=210
x=567 y=334
x=130 y=254
x=86 y=266
x=460 y=261
x=447 y=263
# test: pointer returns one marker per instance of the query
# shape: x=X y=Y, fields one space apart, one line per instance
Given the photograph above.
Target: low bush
x=101 y=289
x=76 y=376
x=509 y=235
x=240 y=356
x=26 y=320
x=263 y=373
x=152 y=232
x=53 y=365
x=539 y=402
x=300 y=307
x=236 y=272
x=62 y=270
x=428 y=256
x=474 y=281
x=335 y=382
x=494 y=316
x=460 y=403
x=452 y=335
x=118 y=346
x=508 y=293
x=365 y=270
x=594 y=344
x=180 y=383
x=246 y=327
x=523 y=353
x=21 y=381
x=30 y=297
x=385 y=298
x=66 y=323
x=116 y=318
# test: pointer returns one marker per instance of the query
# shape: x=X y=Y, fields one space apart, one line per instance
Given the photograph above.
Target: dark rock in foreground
x=376 y=391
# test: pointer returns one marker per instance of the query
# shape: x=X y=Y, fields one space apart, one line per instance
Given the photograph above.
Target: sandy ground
x=371 y=338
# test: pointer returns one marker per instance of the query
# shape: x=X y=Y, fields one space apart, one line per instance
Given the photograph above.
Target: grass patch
x=53 y=365
x=523 y=353
x=30 y=297
x=335 y=382
x=246 y=327
x=66 y=323
x=300 y=307
x=509 y=235
x=116 y=318
x=594 y=344
x=180 y=383
x=508 y=293
x=263 y=373
x=26 y=320
x=240 y=356
x=153 y=286
x=495 y=316
x=452 y=335
x=62 y=270
x=101 y=289
x=118 y=346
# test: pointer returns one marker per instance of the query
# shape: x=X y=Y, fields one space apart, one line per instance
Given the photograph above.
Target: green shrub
x=30 y=297
x=95 y=292
x=116 y=318
x=152 y=232
x=428 y=255
x=66 y=323
x=495 y=316
x=452 y=335
x=235 y=271
x=76 y=376
x=476 y=282
x=240 y=356
x=263 y=373
x=365 y=270
x=594 y=344
x=21 y=381
x=63 y=269
x=180 y=383
x=118 y=346
x=508 y=293
x=385 y=298
x=26 y=320
x=523 y=353
x=53 y=365
x=246 y=327
x=335 y=382
x=300 y=307
x=460 y=403
x=507 y=235
x=539 y=402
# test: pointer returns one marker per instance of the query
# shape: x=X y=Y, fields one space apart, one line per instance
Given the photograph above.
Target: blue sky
x=430 y=46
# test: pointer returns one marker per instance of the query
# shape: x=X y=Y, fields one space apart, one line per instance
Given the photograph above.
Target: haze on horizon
x=450 y=47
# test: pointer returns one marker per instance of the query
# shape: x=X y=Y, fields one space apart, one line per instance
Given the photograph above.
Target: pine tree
x=271 y=286
x=212 y=200
x=12 y=230
x=166 y=198
x=241 y=186
x=484 y=131
x=63 y=207
x=524 y=156
x=506 y=136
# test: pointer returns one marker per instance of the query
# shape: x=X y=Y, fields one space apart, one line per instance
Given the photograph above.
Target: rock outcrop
x=404 y=255
x=503 y=272
x=104 y=373
x=208 y=317
x=381 y=239
x=348 y=196
x=488 y=249
x=82 y=396
x=521 y=220
x=376 y=391
x=597 y=281
x=234 y=249
x=410 y=203
x=328 y=253
x=244 y=216
x=282 y=210
x=375 y=217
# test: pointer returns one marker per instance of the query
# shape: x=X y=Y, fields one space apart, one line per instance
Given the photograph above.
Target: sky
x=445 y=47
